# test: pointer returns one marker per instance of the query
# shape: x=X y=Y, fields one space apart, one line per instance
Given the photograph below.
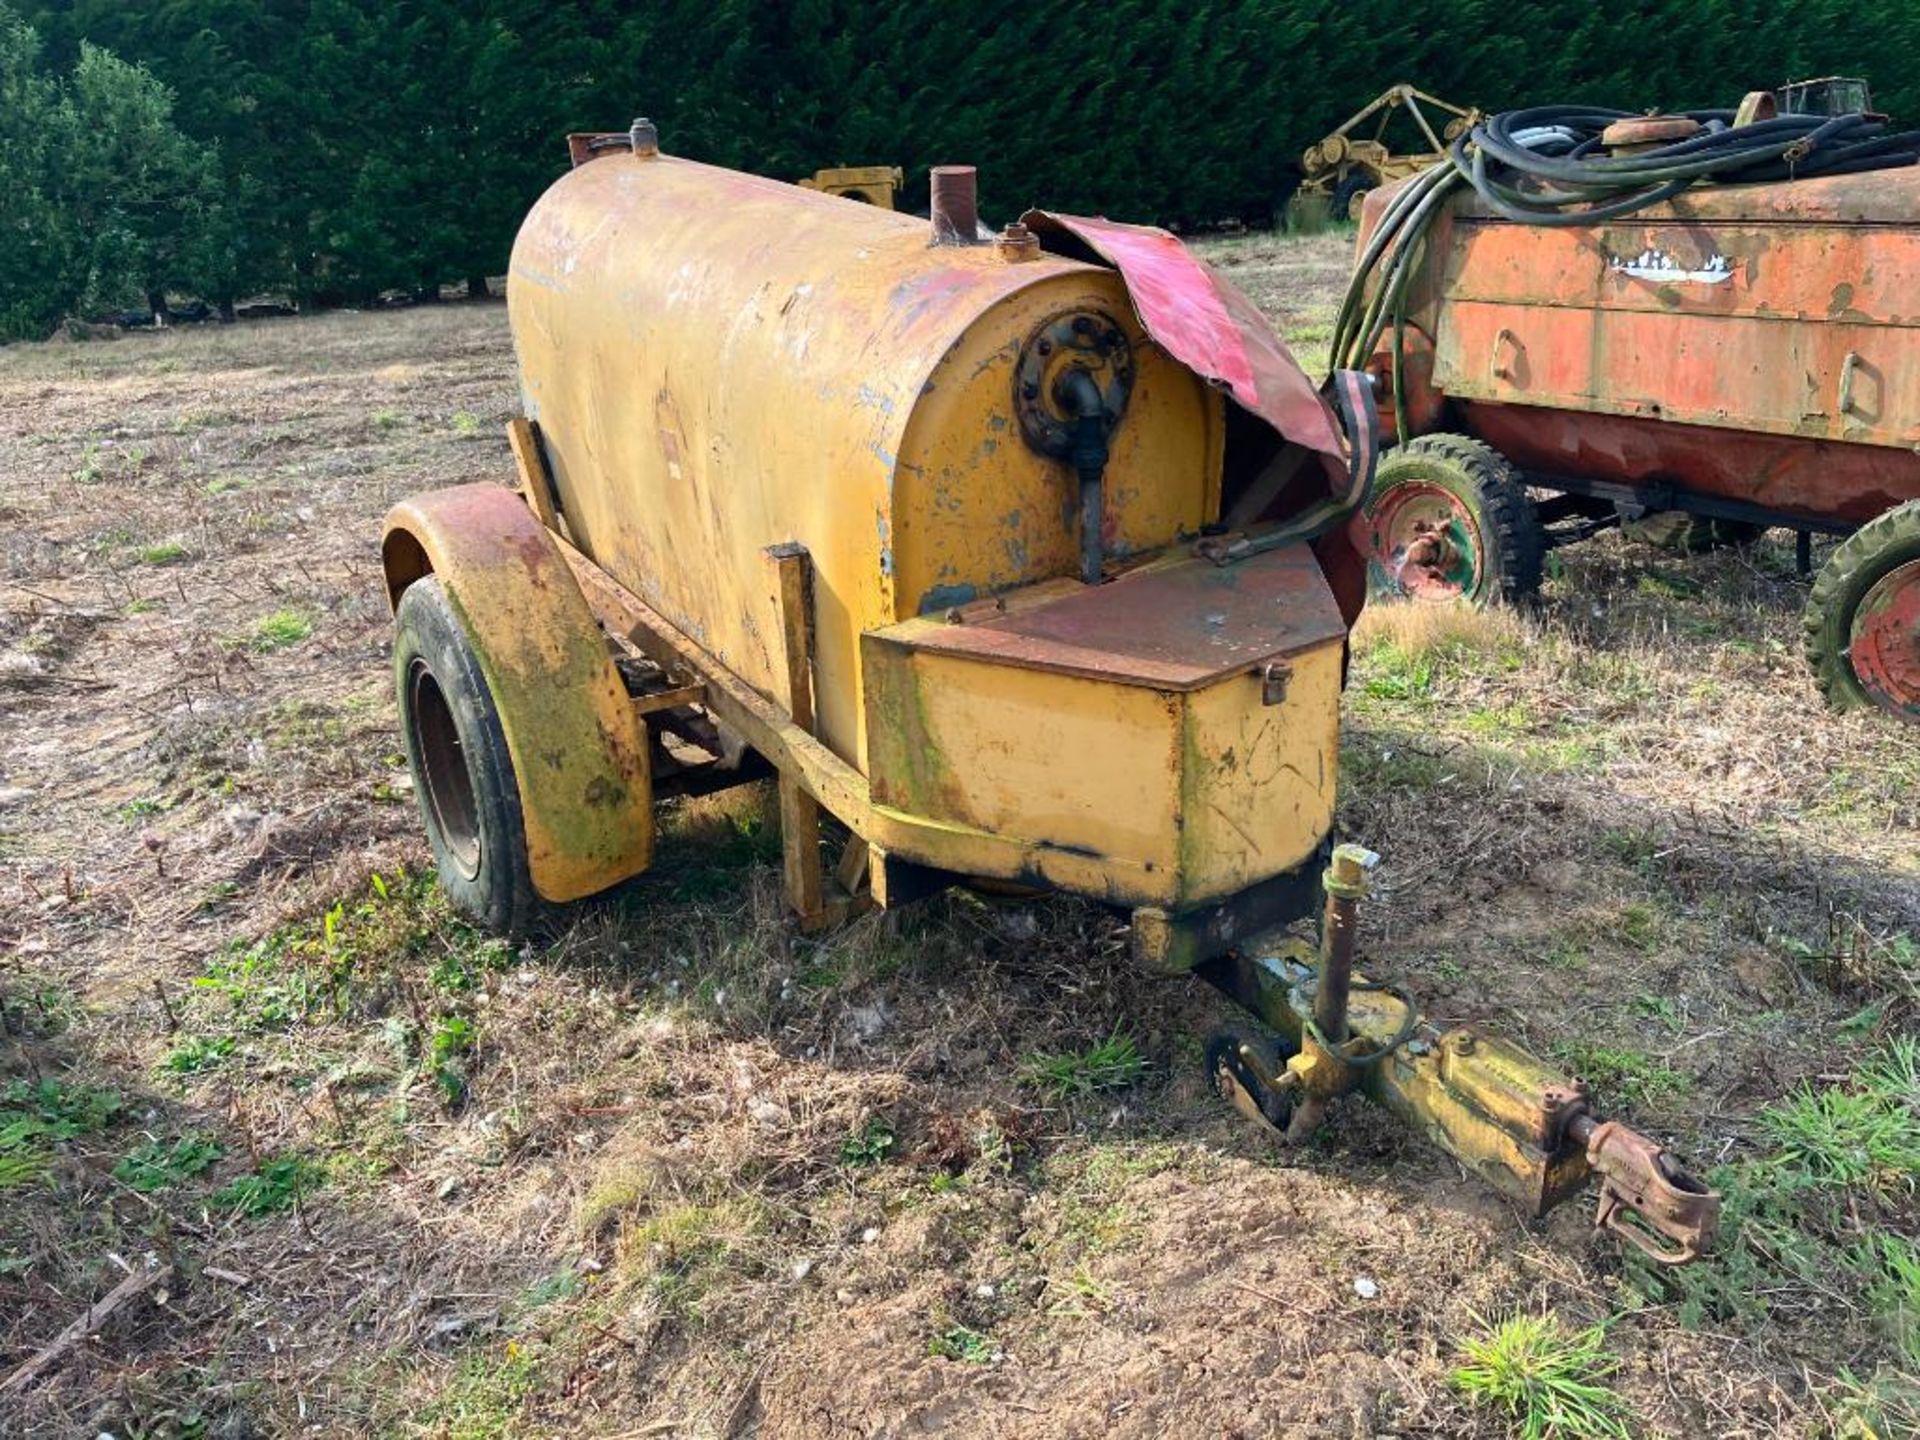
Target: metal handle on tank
x=1847 y=368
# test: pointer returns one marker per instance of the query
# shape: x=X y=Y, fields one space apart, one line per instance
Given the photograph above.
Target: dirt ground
x=352 y=1169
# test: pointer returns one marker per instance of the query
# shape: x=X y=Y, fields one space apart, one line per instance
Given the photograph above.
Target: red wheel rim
x=1423 y=541
x=1885 y=653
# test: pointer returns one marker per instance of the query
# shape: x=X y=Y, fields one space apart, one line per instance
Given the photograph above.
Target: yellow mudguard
x=580 y=753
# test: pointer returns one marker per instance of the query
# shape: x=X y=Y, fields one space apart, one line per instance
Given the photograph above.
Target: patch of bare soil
x=1230 y=1309
x=672 y=1169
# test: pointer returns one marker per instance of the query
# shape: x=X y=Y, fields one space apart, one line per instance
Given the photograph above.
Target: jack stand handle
x=1640 y=1180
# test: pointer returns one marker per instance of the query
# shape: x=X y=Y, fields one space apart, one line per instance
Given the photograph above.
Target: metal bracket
x=818 y=900
x=1645 y=1195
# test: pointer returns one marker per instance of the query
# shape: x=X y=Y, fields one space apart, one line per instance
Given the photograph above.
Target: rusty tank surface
x=1021 y=561
x=1729 y=355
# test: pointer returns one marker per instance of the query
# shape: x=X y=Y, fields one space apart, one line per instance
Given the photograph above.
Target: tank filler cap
x=644 y=137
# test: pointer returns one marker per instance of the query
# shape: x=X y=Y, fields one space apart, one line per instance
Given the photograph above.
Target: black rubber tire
x=462 y=774
x=1493 y=492
x=1882 y=544
x=1351 y=187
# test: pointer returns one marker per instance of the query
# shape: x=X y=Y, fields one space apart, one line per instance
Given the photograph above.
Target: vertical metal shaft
x=1336 y=968
x=1345 y=882
x=1091 y=549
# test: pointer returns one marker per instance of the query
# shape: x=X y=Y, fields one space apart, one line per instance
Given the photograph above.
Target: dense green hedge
x=342 y=147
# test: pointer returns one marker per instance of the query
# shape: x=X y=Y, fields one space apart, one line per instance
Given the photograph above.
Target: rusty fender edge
x=579 y=751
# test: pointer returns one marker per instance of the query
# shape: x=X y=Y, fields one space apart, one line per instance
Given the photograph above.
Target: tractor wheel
x=462 y=773
x=1863 y=617
x=1449 y=519
x=1352 y=186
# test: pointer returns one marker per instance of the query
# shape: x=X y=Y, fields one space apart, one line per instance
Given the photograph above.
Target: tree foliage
x=334 y=149
x=108 y=201
x=35 y=249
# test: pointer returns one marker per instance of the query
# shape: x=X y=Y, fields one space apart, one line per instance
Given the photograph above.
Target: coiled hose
x=1547 y=166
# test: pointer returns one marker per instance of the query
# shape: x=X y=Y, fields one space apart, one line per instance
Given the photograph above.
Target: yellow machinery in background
x=1338 y=169
x=867 y=184
x=1022 y=562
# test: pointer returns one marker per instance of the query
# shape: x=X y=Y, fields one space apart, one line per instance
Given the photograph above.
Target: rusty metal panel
x=1753 y=342
x=1055 y=761
x=1177 y=624
x=1825 y=381
x=1210 y=327
x=579 y=752
x=1259 y=767
x=1822 y=480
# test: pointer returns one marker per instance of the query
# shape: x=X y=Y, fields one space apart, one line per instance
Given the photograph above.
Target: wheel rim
x=1885 y=649
x=445 y=781
x=1425 y=542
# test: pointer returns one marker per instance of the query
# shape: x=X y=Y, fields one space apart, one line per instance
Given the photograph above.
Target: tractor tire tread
x=1890 y=539
x=1519 y=541
x=1355 y=184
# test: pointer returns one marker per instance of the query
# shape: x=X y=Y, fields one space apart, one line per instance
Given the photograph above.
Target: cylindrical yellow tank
x=719 y=363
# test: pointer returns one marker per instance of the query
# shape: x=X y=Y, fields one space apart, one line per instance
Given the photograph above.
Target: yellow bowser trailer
x=1026 y=562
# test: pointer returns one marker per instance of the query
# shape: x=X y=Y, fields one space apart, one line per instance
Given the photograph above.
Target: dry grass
x=1416 y=629
x=675 y=1170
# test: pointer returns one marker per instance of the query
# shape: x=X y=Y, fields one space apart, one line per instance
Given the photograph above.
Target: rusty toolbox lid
x=1176 y=624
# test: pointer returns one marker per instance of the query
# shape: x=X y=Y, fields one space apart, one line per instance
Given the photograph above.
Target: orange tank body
x=1757 y=343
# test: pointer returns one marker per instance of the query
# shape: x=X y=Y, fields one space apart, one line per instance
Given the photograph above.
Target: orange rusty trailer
x=1747 y=354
